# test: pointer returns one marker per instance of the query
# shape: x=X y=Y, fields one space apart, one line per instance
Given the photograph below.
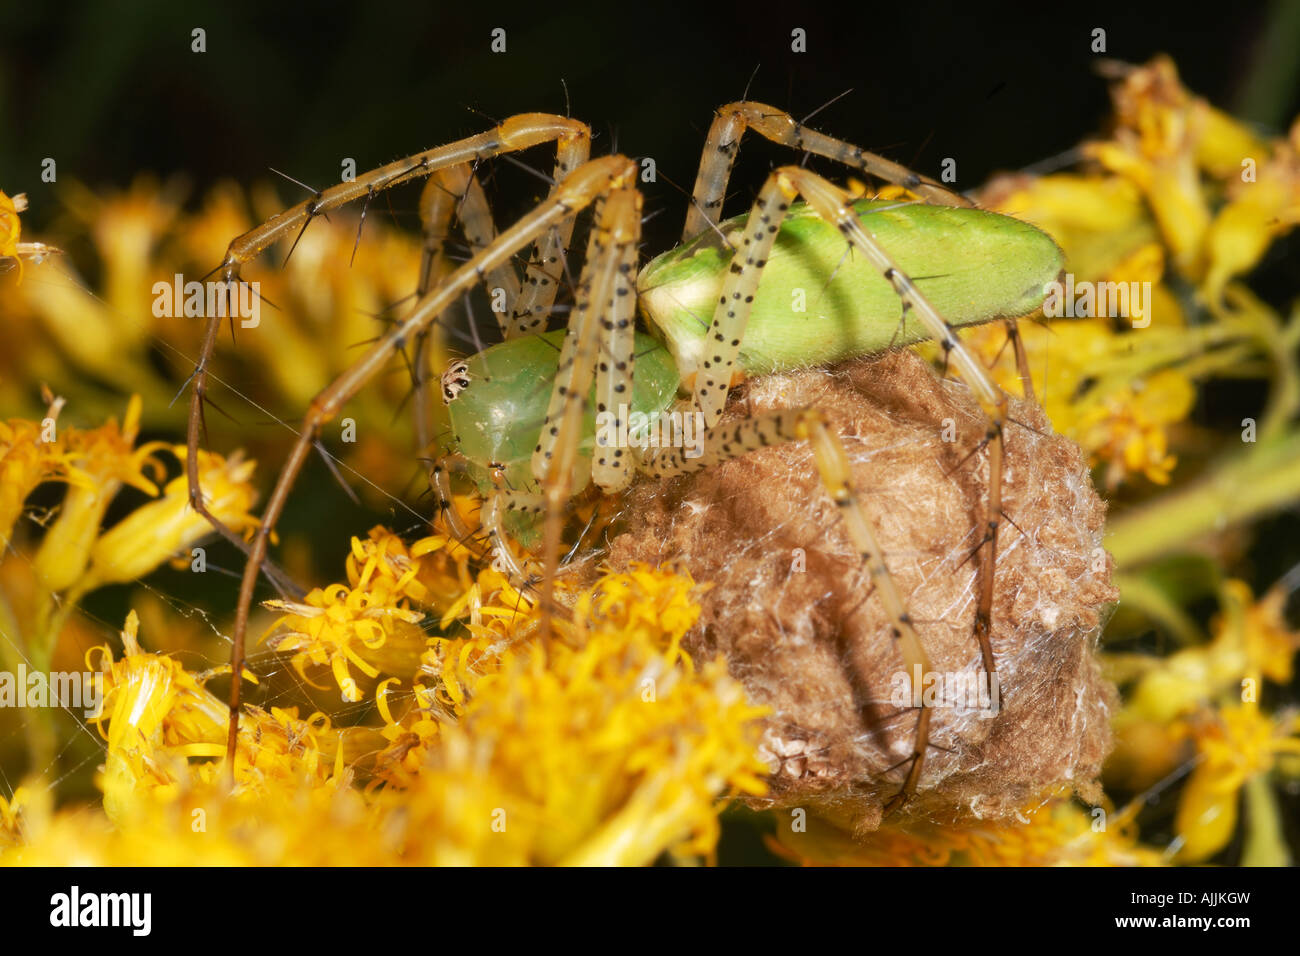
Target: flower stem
x=1246 y=486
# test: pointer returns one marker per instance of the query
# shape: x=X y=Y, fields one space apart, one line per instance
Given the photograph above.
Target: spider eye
x=454 y=381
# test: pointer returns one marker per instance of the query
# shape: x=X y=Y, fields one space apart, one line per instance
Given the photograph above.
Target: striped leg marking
x=605 y=310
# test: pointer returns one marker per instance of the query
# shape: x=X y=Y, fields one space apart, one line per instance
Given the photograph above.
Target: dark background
x=111 y=90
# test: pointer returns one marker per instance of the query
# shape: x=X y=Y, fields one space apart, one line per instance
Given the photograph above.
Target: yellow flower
x=1260 y=210
x=1182 y=153
x=127 y=228
x=370 y=622
x=1235 y=744
x=609 y=750
x=161 y=529
x=30 y=453
x=1155 y=145
x=1127 y=427
x=106 y=459
x=383 y=563
x=1251 y=639
x=1051 y=832
x=643 y=602
x=158 y=714
x=354 y=625
x=1097 y=388
x=11 y=229
x=1098 y=220
x=409 y=738
x=11 y=832
x=457 y=664
x=330 y=625
x=161 y=719
x=606 y=748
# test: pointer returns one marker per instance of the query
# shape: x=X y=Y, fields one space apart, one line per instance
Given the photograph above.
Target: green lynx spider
x=707 y=304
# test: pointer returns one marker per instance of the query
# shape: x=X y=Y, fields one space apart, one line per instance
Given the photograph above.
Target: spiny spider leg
x=451 y=193
x=572 y=194
x=283 y=583
x=605 y=309
x=456 y=194
x=499 y=501
x=1022 y=359
x=445 y=190
x=723 y=143
x=445 y=506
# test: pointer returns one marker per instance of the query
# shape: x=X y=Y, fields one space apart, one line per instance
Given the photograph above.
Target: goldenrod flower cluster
x=1181 y=196
x=49 y=567
x=1056 y=831
x=605 y=747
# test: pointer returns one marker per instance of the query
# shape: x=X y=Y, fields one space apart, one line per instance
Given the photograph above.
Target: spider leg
x=450 y=193
x=578 y=190
x=1022 y=359
x=444 y=506
x=605 y=307
x=438 y=201
x=499 y=502
x=456 y=193
x=832 y=204
x=723 y=143
x=283 y=583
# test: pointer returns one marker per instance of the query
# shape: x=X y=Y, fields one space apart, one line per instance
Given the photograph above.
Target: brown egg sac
x=795 y=614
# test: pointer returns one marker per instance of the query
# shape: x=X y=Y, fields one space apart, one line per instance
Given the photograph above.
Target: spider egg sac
x=796 y=615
